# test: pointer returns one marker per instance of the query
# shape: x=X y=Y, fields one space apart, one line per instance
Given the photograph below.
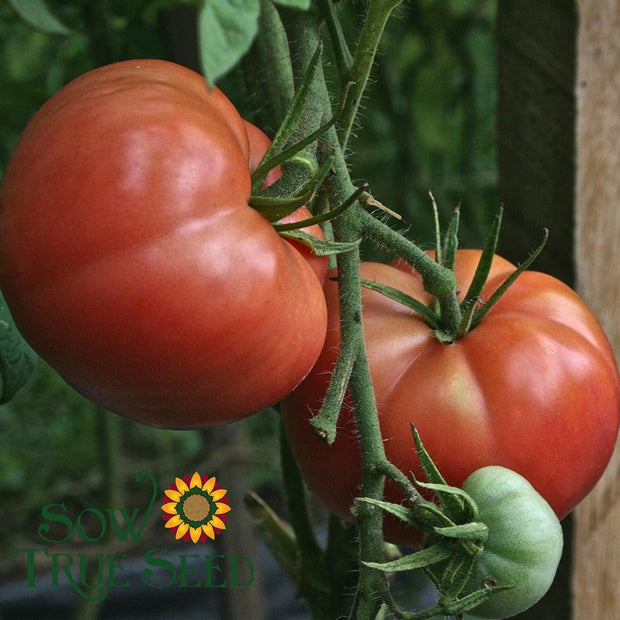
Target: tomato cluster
x=533 y=388
x=132 y=262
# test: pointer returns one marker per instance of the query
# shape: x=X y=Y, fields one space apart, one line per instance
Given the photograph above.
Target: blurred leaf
x=294 y=4
x=226 y=30
x=277 y=535
x=36 y=13
x=17 y=359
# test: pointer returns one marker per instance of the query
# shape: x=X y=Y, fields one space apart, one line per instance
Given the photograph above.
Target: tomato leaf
x=36 y=13
x=276 y=534
x=226 y=30
x=17 y=359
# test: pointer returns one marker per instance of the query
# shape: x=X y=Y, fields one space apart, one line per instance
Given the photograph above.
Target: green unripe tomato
x=524 y=545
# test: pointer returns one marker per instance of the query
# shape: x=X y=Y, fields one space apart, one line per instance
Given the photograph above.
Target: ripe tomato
x=524 y=545
x=533 y=388
x=132 y=262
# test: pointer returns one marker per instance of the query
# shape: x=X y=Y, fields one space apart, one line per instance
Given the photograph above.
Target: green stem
x=404 y=484
x=378 y=14
x=313 y=583
x=342 y=54
x=324 y=423
x=438 y=281
x=275 y=86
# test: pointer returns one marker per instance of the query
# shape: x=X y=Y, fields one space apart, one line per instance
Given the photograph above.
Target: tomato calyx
x=449 y=318
x=454 y=539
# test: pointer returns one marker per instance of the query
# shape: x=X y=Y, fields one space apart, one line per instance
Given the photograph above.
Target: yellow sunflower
x=195 y=508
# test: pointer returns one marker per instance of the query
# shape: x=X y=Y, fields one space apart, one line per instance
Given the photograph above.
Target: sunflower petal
x=217 y=522
x=170 y=508
x=196 y=481
x=175 y=496
x=195 y=534
x=181 y=485
x=182 y=530
x=174 y=521
x=222 y=508
x=207 y=528
x=218 y=494
x=209 y=484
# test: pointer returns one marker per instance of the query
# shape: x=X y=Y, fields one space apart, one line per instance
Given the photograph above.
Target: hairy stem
x=378 y=14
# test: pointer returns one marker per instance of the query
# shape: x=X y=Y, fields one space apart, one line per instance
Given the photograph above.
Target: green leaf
x=304 y=5
x=17 y=359
x=226 y=30
x=276 y=534
x=36 y=13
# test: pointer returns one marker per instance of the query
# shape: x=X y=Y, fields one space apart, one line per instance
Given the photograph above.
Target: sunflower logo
x=195 y=508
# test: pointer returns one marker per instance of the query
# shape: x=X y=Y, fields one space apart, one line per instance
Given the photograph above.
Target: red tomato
x=132 y=262
x=533 y=388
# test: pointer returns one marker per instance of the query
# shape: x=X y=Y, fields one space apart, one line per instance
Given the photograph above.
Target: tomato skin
x=132 y=262
x=533 y=388
x=524 y=545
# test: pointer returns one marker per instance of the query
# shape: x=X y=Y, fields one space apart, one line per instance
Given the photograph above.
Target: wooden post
x=596 y=588
x=536 y=130
x=536 y=164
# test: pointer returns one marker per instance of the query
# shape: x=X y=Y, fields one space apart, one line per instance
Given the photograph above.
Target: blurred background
x=429 y=124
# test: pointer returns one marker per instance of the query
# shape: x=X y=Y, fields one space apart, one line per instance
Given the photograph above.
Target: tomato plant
x=524 y=546
x=534 y=388
x=132 y=262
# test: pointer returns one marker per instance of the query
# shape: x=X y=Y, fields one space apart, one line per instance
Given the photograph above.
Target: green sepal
x=456 y=575
x=17 y=359
x=451 y=501
x=486 y=260
x=419 y=559
x=466 y=508
x=497 y=295
x=276 y=534
x=397 y=510
x=402 y=298
x=321 y=217
x=451 y=240
x=470 y=601
x=436 y=230
x=321 y=247
x=472 y=530
x=275 y=209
